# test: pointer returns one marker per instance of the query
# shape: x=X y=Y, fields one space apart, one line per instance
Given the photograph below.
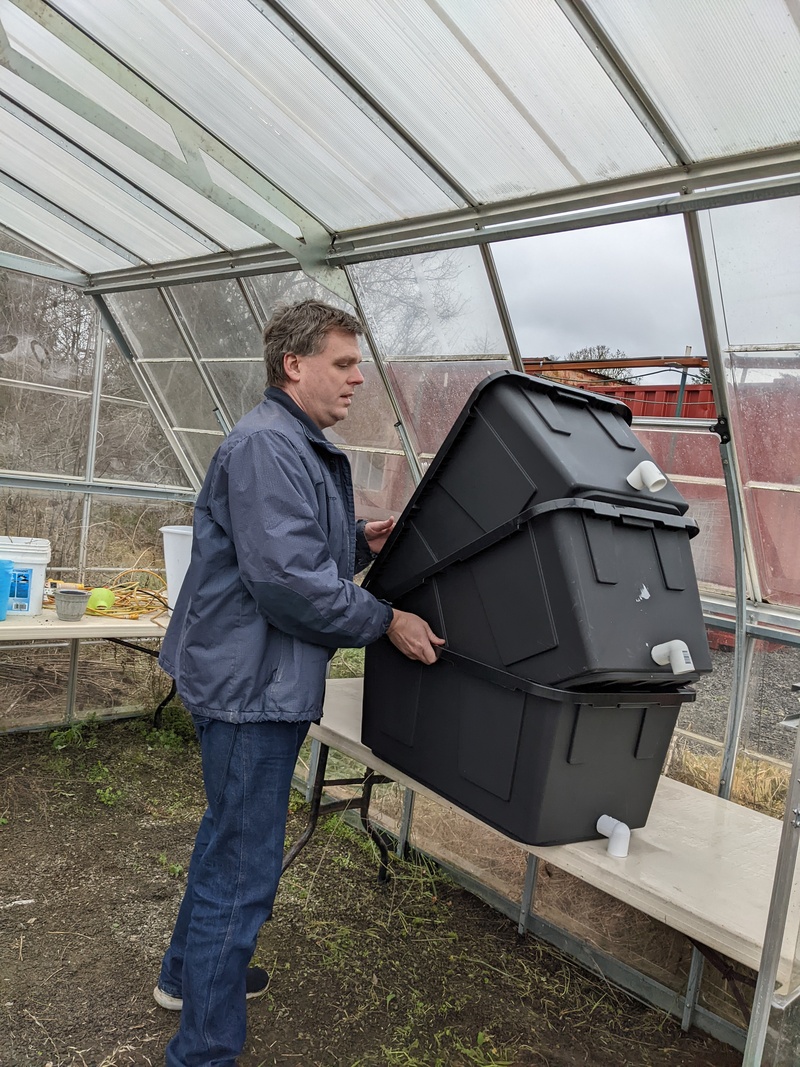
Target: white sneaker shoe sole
x=170 y=1003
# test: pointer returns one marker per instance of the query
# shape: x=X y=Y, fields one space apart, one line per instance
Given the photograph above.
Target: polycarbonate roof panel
x=483 y=87
x=726 y=73
x=49 y=170
x=46 y=230
x=223 y=230
x=34 y=41
x=227 y=66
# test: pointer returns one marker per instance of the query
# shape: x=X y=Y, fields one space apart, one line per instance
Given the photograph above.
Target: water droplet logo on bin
x=644 y=594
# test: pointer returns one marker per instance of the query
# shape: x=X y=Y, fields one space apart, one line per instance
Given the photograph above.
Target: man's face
x=323 y=385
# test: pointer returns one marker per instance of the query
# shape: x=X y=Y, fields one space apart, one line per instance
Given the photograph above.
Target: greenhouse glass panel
x=53 y=516
x=432 y=395
x=761 y=783
x=724 y=73
x=712 y=548
x=200 y=447
x=766 y=400
x=47 y=333
x=775 y=514
x=692 y=460
x=147 y=325
x=184 y=394
x=757 y=249
x=125 y=533
x=35 y=692
x=118 y=380
x=370 y=420
x=290 y=287
x=66 y=243
x=17 y=248
x=382 y=483
x=115 y=682
x=606 y=287
x=44 y=432
x=240 y=385
x=219 y=320
x=249 y=85
x=507 y=122
x=690 y=452
x=758 y=269
x=131 y=447
x=56 y=174
x=705 y=719
x=438 y=305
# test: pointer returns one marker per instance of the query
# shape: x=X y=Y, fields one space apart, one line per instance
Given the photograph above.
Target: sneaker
x=256 y=984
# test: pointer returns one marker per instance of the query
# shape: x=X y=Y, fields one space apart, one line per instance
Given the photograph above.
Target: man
x=268 y=596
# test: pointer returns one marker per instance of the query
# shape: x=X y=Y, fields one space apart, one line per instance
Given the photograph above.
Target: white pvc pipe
x=618 y=834
x=647 y=476
x=676 y=654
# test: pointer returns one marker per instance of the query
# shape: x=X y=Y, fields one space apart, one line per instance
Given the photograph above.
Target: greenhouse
x=594 y=194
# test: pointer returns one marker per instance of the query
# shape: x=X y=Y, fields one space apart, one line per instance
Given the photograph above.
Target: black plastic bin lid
x=519 y=441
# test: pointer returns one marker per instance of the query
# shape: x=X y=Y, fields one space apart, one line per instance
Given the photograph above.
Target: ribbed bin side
x=541 y=769
x=518 y=441
x=574 y=596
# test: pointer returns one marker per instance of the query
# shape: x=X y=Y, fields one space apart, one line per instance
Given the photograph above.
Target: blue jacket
x=269 y=593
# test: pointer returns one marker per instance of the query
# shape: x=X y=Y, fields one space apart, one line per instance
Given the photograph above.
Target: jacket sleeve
x=266 y=496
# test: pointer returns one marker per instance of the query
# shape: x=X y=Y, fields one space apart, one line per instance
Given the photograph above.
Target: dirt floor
x=96 y=827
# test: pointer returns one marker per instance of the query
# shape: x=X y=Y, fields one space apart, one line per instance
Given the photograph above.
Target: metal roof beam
x=597 y=205
x=192 y=138
x=501 y=223
x=207 y=268
x=40 y=269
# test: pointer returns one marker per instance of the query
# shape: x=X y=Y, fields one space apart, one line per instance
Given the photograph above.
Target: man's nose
x=357 y=378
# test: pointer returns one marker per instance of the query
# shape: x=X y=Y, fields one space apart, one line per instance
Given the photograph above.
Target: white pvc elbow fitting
x=647 y=476
x=674 y=653
x=618 y=834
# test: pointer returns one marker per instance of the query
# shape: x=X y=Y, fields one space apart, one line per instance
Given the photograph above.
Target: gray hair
x=302 y=328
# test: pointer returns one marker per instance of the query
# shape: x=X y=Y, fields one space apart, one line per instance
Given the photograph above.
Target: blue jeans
x=231 y=886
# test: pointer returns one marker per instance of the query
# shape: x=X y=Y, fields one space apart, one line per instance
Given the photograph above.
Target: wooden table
x=702 y=865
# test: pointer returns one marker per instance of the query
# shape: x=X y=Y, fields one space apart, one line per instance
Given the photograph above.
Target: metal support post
x=531 y=872
x=692 y=989
x=405 y=822
x=313 y=764
x=72 y=679
x=776 y=919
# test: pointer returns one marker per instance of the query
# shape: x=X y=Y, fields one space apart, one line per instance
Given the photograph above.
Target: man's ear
x=291 y=366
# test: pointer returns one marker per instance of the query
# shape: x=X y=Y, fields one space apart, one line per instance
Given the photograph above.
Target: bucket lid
x=38 y=543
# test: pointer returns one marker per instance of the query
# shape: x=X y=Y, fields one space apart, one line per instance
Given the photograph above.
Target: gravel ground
x=769 y=700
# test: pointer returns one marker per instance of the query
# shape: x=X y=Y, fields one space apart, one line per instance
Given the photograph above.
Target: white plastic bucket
x=30 y=556
x=177 y=553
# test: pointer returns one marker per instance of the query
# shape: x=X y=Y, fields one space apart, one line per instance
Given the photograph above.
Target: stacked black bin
x=551 y=579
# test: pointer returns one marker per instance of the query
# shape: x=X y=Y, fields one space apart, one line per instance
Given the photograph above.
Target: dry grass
x=757 y=783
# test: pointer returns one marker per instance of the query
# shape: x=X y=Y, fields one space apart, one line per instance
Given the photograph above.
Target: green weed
x=109 y=796
x=174 y=870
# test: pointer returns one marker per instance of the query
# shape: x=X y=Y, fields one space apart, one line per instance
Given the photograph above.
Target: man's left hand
x=376 y=532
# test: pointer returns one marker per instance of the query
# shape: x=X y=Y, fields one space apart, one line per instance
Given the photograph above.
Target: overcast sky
x=627 y=286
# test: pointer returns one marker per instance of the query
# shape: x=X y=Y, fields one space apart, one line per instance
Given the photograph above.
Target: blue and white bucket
x=30 y=556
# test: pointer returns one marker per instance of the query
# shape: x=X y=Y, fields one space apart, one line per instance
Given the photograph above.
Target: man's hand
x=413 y=637
x=376 y=532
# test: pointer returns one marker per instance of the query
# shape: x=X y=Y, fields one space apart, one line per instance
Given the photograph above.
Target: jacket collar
x=310 y=428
